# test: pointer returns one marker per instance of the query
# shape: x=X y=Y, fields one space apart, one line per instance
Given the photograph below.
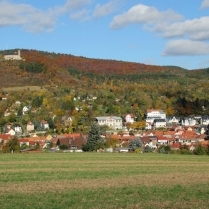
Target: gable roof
x=71 y=141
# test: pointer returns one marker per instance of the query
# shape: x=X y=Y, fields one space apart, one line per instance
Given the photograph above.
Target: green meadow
x=103 y=180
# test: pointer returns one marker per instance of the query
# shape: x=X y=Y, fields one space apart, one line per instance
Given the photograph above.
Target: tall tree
x=94 y=139
x=12 y=146
x=134 y=144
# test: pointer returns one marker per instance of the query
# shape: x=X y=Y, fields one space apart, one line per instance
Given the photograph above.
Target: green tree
x=94 y=139
x=200 y=150
x=23 y=146
x=37 y=145
x=134 y=144
x=207 y=150
x=164 y=149
x=37 y=101
x=63 y=147
x=12 y=118
x=148 y=149
x=2 y=121
x=12 y=146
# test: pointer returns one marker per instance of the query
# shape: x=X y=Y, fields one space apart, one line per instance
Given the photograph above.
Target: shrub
x=200 y=150
x=185 y=152
x=148 y=149
x=63 y=147
x=164 y=149
x=138 y=150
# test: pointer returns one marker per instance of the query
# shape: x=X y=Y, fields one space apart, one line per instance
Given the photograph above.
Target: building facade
x=111 y=121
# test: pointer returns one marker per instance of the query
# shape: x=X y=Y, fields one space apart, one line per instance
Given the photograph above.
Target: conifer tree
x=94 y=139
x=134 y=144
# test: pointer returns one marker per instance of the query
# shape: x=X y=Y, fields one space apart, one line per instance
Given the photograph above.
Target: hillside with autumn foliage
x=67 y=85
x=56 y=67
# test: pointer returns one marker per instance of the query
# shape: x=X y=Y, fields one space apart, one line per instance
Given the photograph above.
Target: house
x=162 y=140
x=30 y=126
x=153 y=114
x=18 y=103
x=4 y=98
x=7 y=113
x=148 y=126
x=159 y=123
x=10 y=132
x=68 y=120
x=44 y=125
x=25 y=110
x=152 y=144
x=4 y=138
x=150 y=141
x=17 y=129
x=205 y=120
x=172 y=120
x=112 y=121
x=24 y=142
x=7 y=127
x=122 y=149
x=188 y=121
x=175 y=146
x=129 y=118
x=73 y=141
x=191 y=148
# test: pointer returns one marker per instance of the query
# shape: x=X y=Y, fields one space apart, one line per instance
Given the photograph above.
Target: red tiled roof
x=169 y=132
x=162 y=138
x=176 y=145
x=158 y=133
x=6 y=136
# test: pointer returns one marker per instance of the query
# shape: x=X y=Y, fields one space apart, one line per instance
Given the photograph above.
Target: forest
x=86 y=88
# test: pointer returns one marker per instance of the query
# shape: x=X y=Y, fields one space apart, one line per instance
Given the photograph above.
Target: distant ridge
x=44 y=68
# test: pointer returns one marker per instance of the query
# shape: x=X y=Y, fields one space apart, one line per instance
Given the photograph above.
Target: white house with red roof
x=129 y=118
x=44 y=124
x=30 y=126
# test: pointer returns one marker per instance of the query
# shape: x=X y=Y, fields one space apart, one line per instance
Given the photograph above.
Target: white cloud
x=105 y=9
x=205 y=4
x=170 y=25
x=196 y=29
x=31 y=18
x=81 y=15
x=142 y=14
x=36 y=20
x=73 y=4
x=186 y=48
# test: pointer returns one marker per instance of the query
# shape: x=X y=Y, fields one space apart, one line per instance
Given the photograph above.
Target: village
x=159 y=130
x=154 y=130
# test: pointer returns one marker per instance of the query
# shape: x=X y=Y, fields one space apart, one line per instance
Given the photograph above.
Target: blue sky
x=159 y=32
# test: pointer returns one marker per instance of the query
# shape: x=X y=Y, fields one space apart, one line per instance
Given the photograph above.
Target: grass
x=103 y=180
x=23 y=88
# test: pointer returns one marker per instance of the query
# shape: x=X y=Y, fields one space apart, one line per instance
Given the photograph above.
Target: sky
x=156 y=32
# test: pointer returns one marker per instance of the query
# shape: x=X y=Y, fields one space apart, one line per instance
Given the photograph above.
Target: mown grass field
x=103 y=180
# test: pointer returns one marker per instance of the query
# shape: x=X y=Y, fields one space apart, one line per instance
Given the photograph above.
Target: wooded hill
x=120 y=87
